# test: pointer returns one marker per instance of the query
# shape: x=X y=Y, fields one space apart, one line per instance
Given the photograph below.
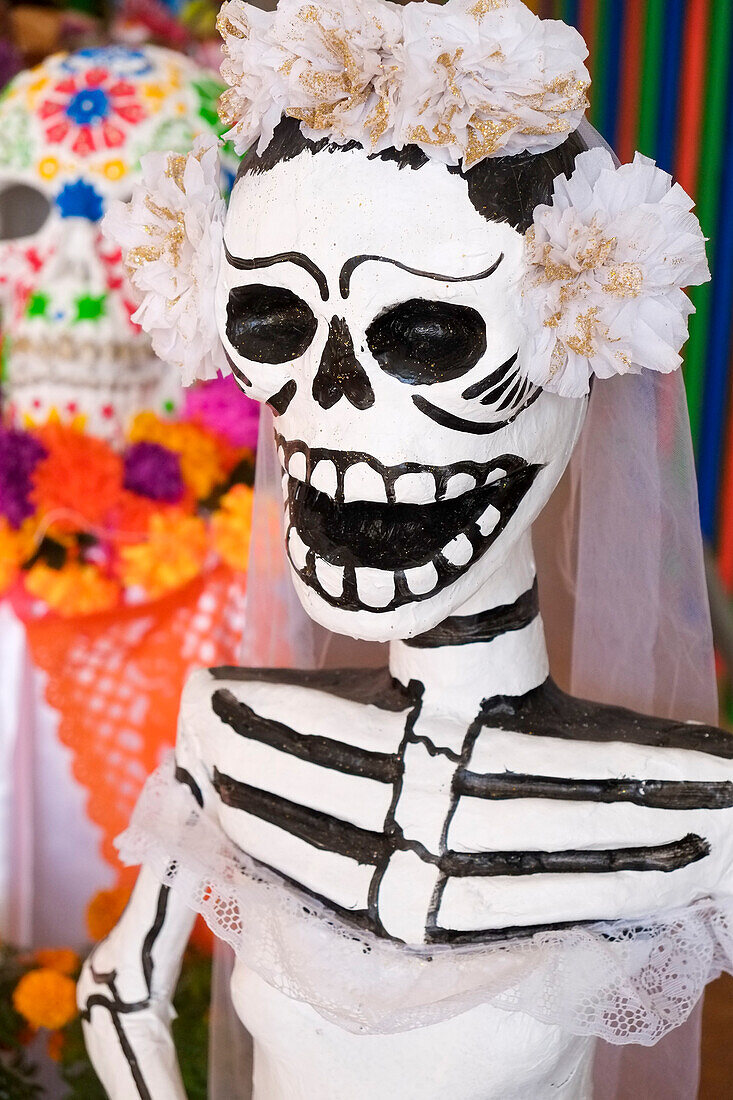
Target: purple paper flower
x=19 y=454
x=153 y=471
x=221 y=406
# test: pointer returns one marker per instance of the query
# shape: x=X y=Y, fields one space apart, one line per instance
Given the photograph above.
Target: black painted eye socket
x=422 y=342
x=269 y=324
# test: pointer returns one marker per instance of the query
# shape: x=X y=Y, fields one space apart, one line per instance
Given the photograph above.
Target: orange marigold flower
x=174 y=553
x=61 y=959
x=232 y=526
x=203 y=460
x=131 y=515
x=104 y=910
x=81 y=475
x=45 y=998
x=10 y=555
x=55 y=1045
x=79 y=588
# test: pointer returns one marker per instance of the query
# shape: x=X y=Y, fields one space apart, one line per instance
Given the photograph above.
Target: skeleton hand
x=124 y=996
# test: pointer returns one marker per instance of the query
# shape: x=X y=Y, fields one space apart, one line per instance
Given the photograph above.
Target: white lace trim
x=625 y=983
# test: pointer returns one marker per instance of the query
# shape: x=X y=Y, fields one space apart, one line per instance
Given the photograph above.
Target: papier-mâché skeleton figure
x=456 y=813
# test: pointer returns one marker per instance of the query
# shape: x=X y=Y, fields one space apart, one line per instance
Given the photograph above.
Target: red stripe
x=588 y=22
x=692 y=93
x=628 y=116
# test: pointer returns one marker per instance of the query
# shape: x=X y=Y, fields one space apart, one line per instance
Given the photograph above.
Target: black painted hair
x=502 y=189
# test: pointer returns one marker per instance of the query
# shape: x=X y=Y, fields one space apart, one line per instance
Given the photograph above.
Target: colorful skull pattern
x=72 y=132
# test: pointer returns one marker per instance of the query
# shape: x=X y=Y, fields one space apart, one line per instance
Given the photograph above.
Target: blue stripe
x=720 y=347
x=570 y=12
x=669 y=83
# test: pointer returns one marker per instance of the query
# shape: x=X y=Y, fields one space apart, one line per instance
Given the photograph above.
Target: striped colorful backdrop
x=663 y=83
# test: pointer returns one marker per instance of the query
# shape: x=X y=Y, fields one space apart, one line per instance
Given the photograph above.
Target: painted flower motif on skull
x=90 y=111
x=72 y=132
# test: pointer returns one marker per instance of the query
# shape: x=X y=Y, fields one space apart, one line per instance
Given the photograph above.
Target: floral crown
x=463 y=81
x=606 y=260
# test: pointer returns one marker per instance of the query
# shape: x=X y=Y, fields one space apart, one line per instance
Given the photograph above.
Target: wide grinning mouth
x=378 y=554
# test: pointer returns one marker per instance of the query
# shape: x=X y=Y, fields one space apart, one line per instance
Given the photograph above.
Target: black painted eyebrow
x=351 y=265
x=297 y=258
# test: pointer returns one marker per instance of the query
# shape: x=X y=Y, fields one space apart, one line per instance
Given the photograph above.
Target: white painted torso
x=484 y=1054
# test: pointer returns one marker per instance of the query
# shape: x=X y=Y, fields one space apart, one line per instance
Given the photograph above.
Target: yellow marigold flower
x=174 y=553
x=104 y=910
x=202 y=459
x=80 y=588
x=45 y=998
x=61 y=959
x=232 y=526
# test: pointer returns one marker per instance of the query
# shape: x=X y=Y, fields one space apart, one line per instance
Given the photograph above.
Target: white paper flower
x=466 y=80
x=340 y=67
x=171 y=236
x=320 y=63
x=607 y=261
x=483 y=78
x=252 y=67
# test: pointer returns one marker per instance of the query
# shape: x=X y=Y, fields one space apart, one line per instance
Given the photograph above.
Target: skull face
x=72 y=132
x=375 y=310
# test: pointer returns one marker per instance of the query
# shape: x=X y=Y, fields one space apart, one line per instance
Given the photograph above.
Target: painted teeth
x=330 y=577
x=458 y=484
x=325 y=477
x=375 y=587
x=297 y=466
x=297 y=549
x=370 y=481
x=415 y=488
x=459 y=550
x=361 y=482
x=488 y=520
x=351 y=478
x=495 y=475
x=421 y=579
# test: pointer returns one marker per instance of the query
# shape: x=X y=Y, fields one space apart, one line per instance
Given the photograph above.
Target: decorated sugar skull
x=72 y=132
x=422 y=294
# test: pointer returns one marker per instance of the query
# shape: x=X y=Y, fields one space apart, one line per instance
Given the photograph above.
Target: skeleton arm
x=125 y=993
x=127 y=984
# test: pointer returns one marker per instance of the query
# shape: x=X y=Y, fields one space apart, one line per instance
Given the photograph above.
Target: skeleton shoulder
x=222 y=706
x=547 y=711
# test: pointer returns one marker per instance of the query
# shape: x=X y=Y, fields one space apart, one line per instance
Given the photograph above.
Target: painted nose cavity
x=340 y=374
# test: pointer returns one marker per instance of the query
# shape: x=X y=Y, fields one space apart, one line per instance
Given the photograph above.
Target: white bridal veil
x=623 y=597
